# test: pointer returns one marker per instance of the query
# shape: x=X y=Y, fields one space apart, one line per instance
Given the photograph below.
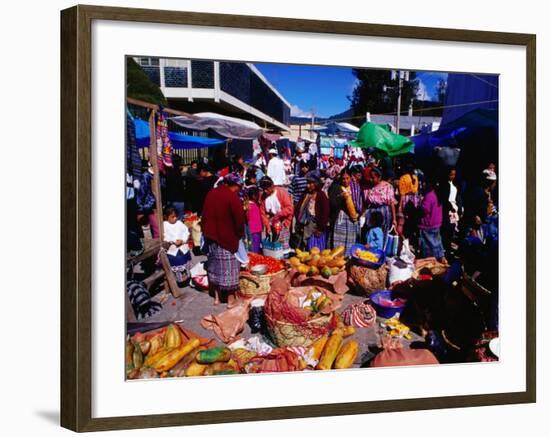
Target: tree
x=441 y=89
x=139 y=86
x=369 y=94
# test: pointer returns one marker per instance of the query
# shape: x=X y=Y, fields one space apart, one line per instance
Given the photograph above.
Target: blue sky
x=324 y=89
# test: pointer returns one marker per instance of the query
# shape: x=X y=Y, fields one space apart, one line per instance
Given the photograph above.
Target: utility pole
x=401 y=76
x=399 y=89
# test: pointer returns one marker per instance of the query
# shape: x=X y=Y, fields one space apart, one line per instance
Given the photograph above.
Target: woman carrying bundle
x=343 y=215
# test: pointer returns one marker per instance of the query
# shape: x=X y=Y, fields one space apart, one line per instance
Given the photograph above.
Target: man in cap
x=276 y=168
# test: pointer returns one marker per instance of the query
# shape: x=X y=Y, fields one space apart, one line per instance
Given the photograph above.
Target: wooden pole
x=153 y=156
x=156 y=174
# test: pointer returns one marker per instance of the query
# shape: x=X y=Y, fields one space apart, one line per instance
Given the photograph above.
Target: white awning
x=228 y=127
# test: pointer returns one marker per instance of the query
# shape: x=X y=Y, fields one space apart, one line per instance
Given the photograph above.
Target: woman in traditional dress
x=277 y=211
x=430 y=243
x=223 y=223
x=380 y=197
x=312 y=215
x=409 y=201
x=343 y=216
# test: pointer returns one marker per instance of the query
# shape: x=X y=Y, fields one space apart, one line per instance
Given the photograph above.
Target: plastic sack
x=403 y=357
x=399 y=271
x=406 y=253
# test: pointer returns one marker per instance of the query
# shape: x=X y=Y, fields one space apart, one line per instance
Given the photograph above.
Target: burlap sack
x=366 y=280
x=403 y=357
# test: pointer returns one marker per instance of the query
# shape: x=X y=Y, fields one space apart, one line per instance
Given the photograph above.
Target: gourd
x=172 y=336
x=213 y=355
x=347 y=355
x=174 y=355
x=330 y=350
x=195 y=369
x=348 y=330
x=318 y=346
x=349 y=204
x=137 y=357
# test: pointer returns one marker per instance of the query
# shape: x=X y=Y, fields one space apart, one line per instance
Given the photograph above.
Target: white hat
x=273 y=151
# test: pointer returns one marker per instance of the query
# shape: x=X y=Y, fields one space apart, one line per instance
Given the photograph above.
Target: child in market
x=179 y=256
x=254 y=219
x=375 y=234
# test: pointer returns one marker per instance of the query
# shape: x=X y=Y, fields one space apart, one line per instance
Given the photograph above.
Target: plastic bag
x=392 y=243
x=406 y=253
x=400 y=270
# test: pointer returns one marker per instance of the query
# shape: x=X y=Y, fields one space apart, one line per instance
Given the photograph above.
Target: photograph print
x=290 y=218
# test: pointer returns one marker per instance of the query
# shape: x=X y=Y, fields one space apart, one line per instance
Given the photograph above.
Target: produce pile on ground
x=169 y=353
x=319 y=262
x=273 y=265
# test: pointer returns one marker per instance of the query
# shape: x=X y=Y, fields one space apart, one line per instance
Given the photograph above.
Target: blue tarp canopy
x=334 y=128
x=457 y=132
x=475 y=133
x=179 y=141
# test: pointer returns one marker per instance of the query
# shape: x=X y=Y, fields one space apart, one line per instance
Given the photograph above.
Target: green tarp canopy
x=381 y=137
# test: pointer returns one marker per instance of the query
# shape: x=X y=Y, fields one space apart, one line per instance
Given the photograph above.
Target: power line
x=483 y=80
x=416 y=110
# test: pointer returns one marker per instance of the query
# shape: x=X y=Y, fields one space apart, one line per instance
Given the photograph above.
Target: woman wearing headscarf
x=380 y=197
x=223 y=221
x=343 y=216
x=277 y=211
x=312 y=215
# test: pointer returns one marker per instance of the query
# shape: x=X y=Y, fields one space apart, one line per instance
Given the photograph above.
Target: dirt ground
x=193 y=305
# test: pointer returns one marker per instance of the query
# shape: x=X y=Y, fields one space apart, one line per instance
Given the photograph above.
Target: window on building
x=146 y=62
x=180 y=63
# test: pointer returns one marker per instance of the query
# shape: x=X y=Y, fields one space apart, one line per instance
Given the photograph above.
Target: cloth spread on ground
x=228 y=324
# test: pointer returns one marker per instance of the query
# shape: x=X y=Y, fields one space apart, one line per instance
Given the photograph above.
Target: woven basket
x=256 y=285
x=289 y=334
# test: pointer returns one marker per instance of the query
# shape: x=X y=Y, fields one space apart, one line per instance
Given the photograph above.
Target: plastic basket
x=382 y=310
x=371 y=265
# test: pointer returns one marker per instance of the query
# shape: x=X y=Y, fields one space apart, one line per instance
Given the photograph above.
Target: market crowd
x=225 y=209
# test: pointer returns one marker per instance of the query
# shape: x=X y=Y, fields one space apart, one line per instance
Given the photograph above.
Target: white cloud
x=422 y=93
x=295 y=111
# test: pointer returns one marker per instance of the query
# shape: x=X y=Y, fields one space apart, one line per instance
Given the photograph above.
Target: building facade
x=235 y=89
